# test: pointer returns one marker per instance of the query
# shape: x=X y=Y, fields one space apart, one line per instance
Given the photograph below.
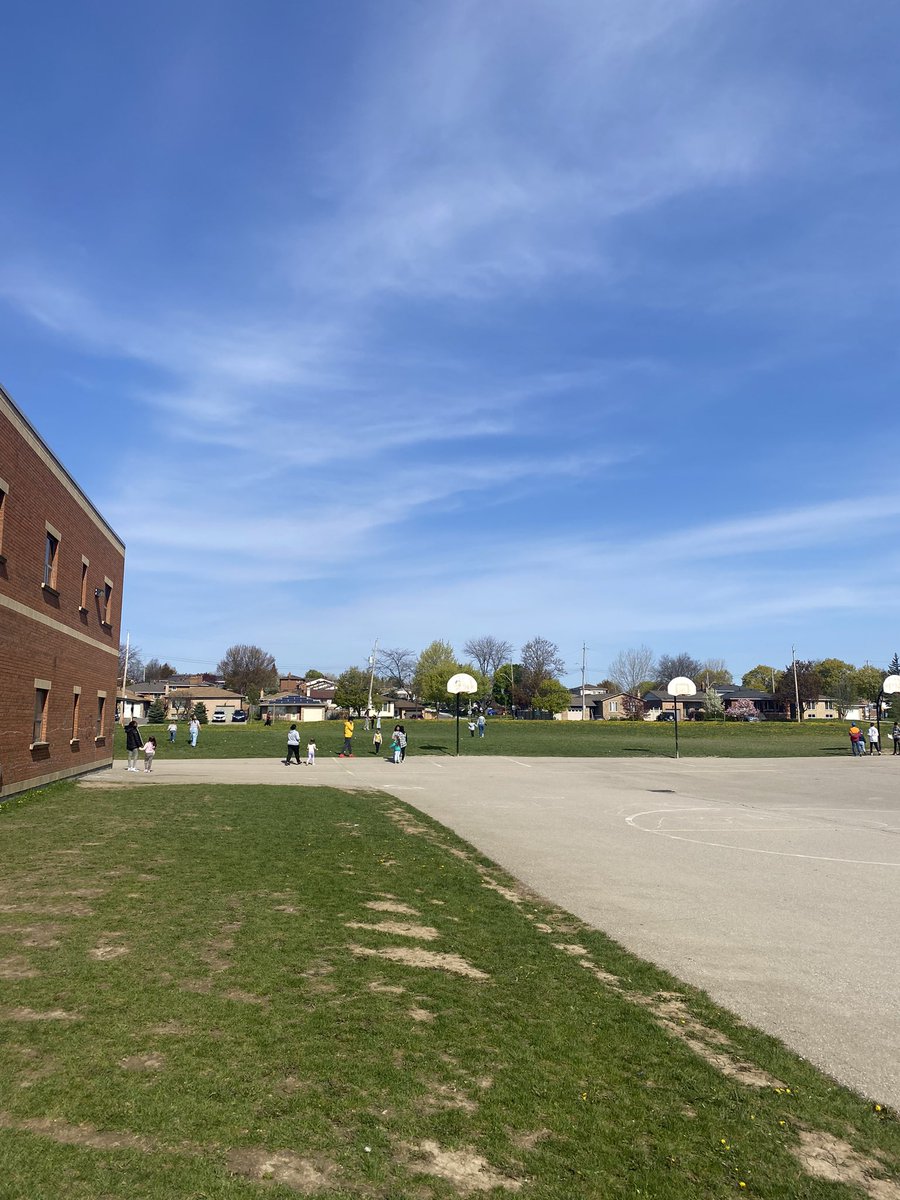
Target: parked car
x=238 y=715
x=219 y=716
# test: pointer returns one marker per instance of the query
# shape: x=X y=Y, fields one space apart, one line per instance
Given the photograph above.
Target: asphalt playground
x=774 y=884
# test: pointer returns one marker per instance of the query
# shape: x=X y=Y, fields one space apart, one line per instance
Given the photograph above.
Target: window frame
x=39 y=722
x=4 y=495
x=52 y=543
x=76 y=715
x=85 y=564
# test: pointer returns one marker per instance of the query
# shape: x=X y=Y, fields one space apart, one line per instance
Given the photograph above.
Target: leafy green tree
x=352 y=690
x=435 y=665
x=156 y=713
x=248 y=670
x=868 y=683
x=199 y=711
x=761 y=678
x=712 y=704
x=831 y=670
x=552 y=696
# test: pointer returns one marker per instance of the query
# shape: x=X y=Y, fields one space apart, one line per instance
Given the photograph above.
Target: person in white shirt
x=293 y=750
x=872 y=735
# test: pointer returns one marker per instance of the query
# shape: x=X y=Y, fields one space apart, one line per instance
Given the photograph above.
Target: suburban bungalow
x=292 y=707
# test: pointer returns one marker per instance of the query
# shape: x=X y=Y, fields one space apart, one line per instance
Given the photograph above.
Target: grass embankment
x=562 y=739
x=212 y=987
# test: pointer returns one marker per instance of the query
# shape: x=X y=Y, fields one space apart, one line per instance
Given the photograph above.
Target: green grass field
x=620 y=739
x=222 y=992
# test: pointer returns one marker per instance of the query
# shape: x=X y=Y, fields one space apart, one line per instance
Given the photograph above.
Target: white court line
x=859 y=862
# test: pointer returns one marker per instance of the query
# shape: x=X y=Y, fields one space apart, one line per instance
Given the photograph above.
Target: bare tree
x=248 y=670
x=676 y=666
x=632 y=668
x=541 y=661
x=488 y=652
x=135 y=662
x=397 y=666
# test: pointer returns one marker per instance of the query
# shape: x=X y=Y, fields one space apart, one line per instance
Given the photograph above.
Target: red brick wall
x=46 y=636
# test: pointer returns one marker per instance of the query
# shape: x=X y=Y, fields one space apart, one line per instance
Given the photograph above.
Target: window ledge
x=38 y=745
x=74 y=741
x=45 y=587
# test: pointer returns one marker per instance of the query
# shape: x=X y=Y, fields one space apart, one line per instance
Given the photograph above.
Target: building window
x=85 y=563
x=76 y=708
x=107 y=601
x=4 y=491
x=101 y=712
x=51 y=560
x=41 y=694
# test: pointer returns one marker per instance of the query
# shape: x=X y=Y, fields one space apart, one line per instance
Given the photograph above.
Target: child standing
x=149 y=751
x=311 y=753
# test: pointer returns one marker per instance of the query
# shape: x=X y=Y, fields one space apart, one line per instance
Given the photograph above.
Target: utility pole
x=371 y=677
x=796 y=688
x=583 y=652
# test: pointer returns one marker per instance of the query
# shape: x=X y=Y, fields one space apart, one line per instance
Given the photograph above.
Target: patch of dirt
x=77 y=1135
x=466 y=1170
x=104 y=953
x=711 y=1045
x=387 y=988
x=421 y=1014
x=452 y=963
x=242 y=997
x=505 y=892
x=826 y=1157
x=48 y=910
x=447 y=1097
x=393 y=906
x=143 y=1062
x=283 y=1167
x=528 y=1141
x=606 y=977
x=30 y=1014
x=573 y=951
x=17 y=967
x=425 y=933
x=40 y=937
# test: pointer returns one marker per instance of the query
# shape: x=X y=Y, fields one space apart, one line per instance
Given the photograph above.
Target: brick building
x=61 y=573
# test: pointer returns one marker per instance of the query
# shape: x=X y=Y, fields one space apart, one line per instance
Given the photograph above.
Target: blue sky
x=420 y=320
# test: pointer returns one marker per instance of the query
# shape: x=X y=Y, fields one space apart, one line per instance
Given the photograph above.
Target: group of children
x=858 y=739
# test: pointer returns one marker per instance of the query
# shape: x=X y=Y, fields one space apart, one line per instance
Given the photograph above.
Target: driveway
x=772 y=884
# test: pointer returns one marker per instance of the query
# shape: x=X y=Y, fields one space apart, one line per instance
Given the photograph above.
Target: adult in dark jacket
x=133 y=743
